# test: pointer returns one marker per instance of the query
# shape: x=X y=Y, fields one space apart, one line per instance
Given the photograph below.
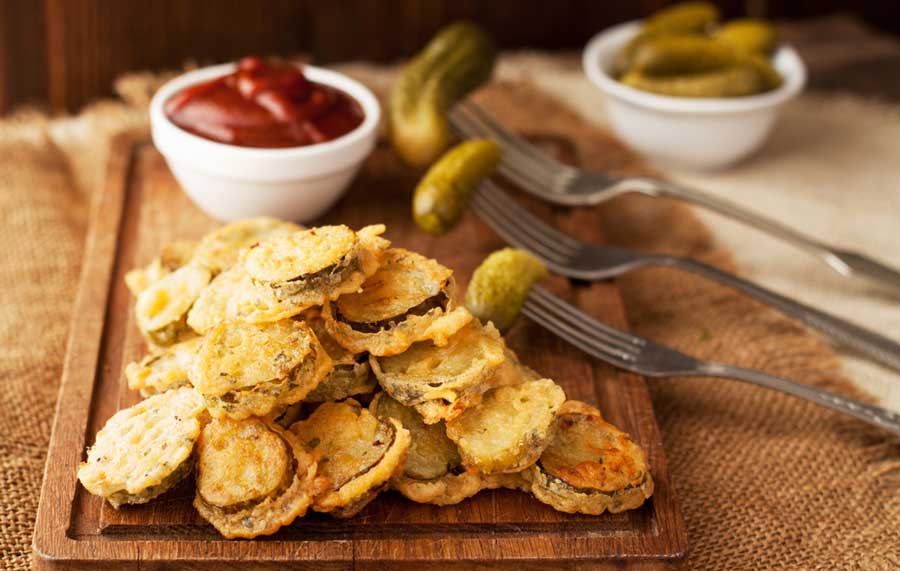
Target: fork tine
x=537 y=178
x=583 y=322
x=514 y=141
x=525 y=218
x=586 y=343
x=464 y=126
x=533 y=233
x=523 y=180
x=510 y=231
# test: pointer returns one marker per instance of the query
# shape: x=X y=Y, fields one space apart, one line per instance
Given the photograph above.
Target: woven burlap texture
x=766 y=482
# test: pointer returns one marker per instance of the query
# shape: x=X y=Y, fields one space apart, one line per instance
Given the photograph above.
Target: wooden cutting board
x=140 y=208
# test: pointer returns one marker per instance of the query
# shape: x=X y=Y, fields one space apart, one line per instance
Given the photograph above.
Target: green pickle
x=771 y=78
x=683 y=18
x=692 y=18
x=499 y=286
x=456 y=61
x=677 y=55
x=683 y=52
x=624 y=59
x=441 y=196
x=748 y=36
x=730 y=82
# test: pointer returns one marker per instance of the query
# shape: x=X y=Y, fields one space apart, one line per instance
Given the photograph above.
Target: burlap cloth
x=766 y=481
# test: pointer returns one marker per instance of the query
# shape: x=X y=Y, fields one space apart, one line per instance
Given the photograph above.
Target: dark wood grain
x=23 y=53
x=141 y=208
x=68 y=52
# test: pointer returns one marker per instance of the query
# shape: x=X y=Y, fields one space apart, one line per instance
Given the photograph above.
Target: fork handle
x=874 y=415
x=843 y=262
x=869 y=343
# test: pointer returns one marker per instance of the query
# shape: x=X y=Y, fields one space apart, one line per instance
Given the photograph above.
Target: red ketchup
x=264 y=104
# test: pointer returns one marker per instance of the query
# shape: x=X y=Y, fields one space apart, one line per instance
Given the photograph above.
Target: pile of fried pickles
x=291 y=369
x=684 y=51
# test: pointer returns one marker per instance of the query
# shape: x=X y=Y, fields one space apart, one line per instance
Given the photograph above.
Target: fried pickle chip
x=162 y=308
x=140 y=279
x=410 y=298
x=157 y=373
x=177 y=254
x=253 y=477
x=357 y=452
x=442 y=381
x=351 y=375
x=433 y=472
x=511 y=427
x=590 y=466
x=144 y=450
x=218 y=302
x=285 y=416
x=246 y=369
x=219 y=249
x=173 y=256
x=232 y=296
x=310 y=267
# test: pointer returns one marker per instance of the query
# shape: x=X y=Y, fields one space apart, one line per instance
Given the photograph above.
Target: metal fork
x=644 y=357
x=547 y=179
x=575 y=259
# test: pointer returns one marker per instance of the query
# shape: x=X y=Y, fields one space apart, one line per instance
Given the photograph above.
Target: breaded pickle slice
x=433 y=472
x=357 y=452
x=285 y=416
x=162 y=308
x=144 y=450
x=510 y=372
x=140 y=279
x=232 y=296
x=451 y=377
x=173 y=255
x=590 y=466
x=247 y=369
x=157 y=373
x=510 y=429
x=253 y=477
x=310 y=267
x=410 y=298
x=219 y=249
x=218 y=301
x=351 y=374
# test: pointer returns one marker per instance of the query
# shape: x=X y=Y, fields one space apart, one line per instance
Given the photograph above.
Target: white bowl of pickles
x=688 y=91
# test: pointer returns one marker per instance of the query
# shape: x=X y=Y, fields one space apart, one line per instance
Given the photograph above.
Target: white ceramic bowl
x=295 y=183
x=689 y=132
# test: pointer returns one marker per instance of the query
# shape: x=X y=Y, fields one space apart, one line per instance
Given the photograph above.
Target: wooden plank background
x=63 y=53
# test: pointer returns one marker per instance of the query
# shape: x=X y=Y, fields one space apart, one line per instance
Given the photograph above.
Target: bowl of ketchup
x=264 y=137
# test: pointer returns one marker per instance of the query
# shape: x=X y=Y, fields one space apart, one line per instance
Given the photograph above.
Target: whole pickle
x=733 y=81
x=441 y=196
x=749 y=36
x=683 y=18
x=680 y=54
x=499 y=286
x=622 y=61
x=456 y=61
x=761 y=64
